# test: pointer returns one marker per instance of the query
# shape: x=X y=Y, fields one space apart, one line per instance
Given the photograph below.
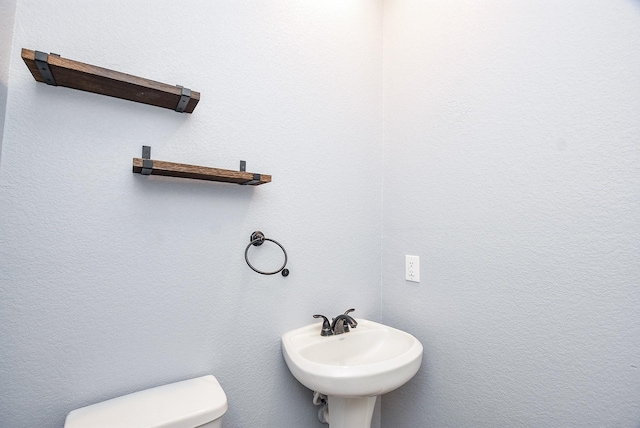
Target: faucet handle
x=326 y=327
x=352 y=321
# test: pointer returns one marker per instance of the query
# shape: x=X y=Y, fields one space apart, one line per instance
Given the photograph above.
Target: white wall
x=511 y=153
x=512 y=145
x=112 y=282
x=7 y=18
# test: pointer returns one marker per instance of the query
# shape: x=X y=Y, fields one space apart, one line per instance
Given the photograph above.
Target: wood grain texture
x=90 y=78
x=172 y=169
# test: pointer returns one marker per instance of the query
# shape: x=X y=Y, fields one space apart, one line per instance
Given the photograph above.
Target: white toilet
x=193 y=403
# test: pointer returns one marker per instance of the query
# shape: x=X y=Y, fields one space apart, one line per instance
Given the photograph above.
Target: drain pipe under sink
x=320 y=399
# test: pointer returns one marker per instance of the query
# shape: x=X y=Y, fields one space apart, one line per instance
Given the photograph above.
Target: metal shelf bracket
x=42 y=61
x=147 y=163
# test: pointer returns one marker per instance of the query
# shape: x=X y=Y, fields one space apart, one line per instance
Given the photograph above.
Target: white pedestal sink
x=353 y=368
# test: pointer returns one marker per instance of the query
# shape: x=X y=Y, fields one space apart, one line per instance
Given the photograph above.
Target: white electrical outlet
x=412 y=268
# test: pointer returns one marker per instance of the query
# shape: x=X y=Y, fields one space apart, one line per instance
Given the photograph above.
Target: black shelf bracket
x=147 y=163
x=256 y=177
x=42 y=61
x=184 y=99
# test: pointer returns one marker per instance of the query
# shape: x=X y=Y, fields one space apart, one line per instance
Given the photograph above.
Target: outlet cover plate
x=412 y=268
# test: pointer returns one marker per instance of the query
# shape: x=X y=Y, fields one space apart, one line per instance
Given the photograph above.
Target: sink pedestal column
x=351 y=412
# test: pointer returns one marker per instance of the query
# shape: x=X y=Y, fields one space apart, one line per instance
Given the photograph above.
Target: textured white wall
x=512 y=145
x=516 y=123
x=7 y=18
x=111 y=282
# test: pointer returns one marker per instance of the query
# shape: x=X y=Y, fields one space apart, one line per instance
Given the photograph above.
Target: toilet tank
x=188 y=404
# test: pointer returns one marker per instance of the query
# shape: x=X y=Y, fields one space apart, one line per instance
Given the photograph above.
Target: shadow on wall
x=3 y=109
x=401 y=403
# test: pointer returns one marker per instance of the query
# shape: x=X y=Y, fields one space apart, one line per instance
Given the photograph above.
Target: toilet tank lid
x=189 y=403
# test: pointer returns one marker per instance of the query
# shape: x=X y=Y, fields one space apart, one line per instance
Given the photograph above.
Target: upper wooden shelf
x=54 y=70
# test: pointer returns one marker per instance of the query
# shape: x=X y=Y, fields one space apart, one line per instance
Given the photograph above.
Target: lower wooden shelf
x=172 y=169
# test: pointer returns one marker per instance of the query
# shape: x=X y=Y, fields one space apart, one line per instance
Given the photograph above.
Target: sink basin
x=370 y=360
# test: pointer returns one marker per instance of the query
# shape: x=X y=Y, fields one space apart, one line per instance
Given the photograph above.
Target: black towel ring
x=257 y=239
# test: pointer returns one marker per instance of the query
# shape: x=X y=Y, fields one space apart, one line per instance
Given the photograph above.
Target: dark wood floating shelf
x=55 y=70
x=172 y=169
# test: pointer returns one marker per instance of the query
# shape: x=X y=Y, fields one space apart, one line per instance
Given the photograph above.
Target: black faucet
x=339 y=324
